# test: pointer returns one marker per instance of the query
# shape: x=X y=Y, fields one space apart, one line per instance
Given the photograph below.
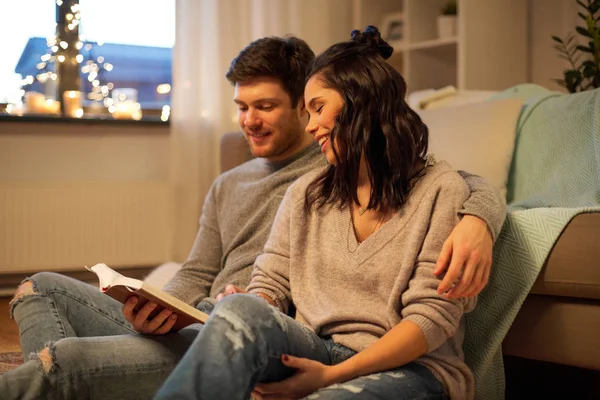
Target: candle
x=72 y=104
x=52 y=107
x=36 y=103
x=127 y=110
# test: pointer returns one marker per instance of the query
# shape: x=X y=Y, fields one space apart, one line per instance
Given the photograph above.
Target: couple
x=354 y=245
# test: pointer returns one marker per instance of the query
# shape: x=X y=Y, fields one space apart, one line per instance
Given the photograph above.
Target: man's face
x=273 y=128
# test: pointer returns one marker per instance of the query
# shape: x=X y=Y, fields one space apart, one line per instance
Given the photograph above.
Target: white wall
x=547 y=18
x=78 y=193
x=68 y=152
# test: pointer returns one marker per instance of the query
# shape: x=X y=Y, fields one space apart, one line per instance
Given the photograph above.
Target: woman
x=354 y=248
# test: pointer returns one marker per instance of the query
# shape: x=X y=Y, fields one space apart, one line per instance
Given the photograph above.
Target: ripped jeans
x=241 y=345
x=92 y=352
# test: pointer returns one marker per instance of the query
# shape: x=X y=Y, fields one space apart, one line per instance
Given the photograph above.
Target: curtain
x=209 y=34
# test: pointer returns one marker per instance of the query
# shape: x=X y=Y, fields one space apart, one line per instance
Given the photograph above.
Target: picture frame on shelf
x=392 y=29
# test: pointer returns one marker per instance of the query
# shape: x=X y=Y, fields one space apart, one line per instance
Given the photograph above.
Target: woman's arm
x=401 y=345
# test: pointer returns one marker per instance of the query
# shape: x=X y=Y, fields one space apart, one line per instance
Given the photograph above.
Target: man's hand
x=310 y=376
x=466 y=255
x=229 y=289
x=159 y=325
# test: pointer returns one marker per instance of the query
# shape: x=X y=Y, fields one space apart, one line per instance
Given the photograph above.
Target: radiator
x=63 y=227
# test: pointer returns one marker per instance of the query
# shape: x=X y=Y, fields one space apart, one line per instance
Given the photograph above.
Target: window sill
x=108 y=120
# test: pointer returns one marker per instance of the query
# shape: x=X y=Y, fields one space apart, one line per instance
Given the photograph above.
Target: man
x=85 y=344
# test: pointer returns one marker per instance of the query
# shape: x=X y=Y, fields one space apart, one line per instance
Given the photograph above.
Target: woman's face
x=322 y=105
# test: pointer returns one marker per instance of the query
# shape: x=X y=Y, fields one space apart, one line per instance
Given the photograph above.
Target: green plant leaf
x=557 y=39
x=589 y=72
x=560 y=49
x=582 y=15
x=582 y=4
x=583 y=31
x=594 y=7
x=585 y=49
x=573 y=79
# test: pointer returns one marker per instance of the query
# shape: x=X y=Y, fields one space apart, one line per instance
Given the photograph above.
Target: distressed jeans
x=95 y=353
x=241 y=345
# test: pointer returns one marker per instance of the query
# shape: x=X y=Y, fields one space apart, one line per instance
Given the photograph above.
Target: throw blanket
x=555 y=175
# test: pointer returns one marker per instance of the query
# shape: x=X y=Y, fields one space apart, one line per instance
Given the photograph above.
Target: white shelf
x=430 y=44
x=398 y=45
x=489 y=51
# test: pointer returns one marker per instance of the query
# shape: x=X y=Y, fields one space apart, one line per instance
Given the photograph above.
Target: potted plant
x=446 y=22
x=584 y=59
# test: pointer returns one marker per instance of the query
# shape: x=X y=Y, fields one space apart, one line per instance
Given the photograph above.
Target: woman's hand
x=310 y=376
x=159 y=325
x=229 y=290
x=467 y=257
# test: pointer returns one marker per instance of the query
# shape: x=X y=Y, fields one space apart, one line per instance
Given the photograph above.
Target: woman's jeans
x=241 y=345
x=94 y=351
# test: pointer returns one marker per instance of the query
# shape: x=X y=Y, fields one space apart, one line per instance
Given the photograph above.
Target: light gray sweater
x=240 y=208
x=358 y=292
x=236 y=220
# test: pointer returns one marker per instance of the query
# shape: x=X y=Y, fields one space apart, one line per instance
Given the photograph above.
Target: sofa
x=559 y=319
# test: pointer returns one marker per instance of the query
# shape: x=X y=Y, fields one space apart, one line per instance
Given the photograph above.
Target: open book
x=121 y=288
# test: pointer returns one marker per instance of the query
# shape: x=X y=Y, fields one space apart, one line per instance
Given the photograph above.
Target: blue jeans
x=241 y=345
x=95 y=353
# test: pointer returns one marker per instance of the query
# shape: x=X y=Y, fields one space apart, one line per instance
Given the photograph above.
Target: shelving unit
x=489 y=51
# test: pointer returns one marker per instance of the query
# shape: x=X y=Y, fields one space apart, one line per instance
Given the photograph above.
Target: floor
x=530 y=379
x=9 y=335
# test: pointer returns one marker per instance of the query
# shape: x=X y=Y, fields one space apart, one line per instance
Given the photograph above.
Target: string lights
x=67 y=52
x=92 y=67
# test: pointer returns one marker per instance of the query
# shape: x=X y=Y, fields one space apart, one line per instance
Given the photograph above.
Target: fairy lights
x=65 y=51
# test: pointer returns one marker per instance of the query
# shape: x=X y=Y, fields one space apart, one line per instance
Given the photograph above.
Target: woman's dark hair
x=284 y=58
x=375 y=122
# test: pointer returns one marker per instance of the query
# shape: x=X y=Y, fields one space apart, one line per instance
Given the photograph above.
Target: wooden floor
x=9 y=334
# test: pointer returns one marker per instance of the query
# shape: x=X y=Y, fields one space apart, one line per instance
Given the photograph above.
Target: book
x=122 y=288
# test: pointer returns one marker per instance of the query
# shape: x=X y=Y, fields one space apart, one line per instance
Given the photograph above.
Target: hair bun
x=372 y=38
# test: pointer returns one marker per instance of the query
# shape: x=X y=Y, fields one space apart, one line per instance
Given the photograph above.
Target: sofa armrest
x=572 y=266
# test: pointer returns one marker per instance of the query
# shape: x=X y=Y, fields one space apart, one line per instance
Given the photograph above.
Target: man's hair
x=284 y=58
x=375 y=122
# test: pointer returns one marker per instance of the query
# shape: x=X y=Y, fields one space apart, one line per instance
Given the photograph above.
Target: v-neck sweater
x=356 y=292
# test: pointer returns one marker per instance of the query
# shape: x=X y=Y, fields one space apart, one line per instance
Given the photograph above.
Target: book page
x=122 y=288
x=108 y=277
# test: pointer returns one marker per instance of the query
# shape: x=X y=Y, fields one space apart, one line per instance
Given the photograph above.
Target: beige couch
x=560 y=320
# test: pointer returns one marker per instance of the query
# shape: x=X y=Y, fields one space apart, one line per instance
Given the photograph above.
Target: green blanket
x=555 y=175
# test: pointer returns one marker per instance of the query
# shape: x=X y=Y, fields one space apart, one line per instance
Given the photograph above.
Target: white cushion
x=447 y=96
x=162 y=274
x=478 y=138
x=461 y=98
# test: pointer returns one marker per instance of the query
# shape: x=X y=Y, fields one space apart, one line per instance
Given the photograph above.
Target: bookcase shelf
x=489 y=51
x=434 y=43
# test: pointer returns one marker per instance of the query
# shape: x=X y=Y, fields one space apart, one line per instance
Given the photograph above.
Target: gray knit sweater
x=358 y=292
x=236 y=220
x=240 y=208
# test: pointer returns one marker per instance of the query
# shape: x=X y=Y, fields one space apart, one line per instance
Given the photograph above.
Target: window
x=95 y=57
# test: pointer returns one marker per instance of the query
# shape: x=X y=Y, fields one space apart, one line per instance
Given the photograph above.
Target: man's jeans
x=95 y=353
x=241 y=345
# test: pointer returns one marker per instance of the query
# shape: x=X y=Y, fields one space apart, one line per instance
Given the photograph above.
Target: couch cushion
x=572 y=266
x=478 y=137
